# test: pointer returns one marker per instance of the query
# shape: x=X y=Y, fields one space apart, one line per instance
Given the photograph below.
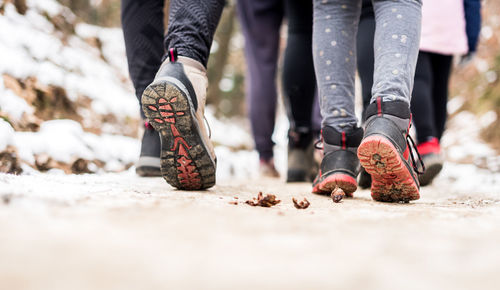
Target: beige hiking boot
x=174 y=105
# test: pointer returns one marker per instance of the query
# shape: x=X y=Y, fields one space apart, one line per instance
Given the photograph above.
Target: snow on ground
x=35 y=48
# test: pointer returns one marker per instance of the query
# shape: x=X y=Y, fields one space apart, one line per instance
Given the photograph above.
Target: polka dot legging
x=396 y=45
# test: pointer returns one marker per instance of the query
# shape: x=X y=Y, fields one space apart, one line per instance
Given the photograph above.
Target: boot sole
x=185 y=160
x=328 y=184
x=391 y=179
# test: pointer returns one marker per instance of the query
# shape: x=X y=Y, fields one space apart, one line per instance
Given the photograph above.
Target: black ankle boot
x=340 y=165
x=385 y=152
x=148 y=164
x=300 y=155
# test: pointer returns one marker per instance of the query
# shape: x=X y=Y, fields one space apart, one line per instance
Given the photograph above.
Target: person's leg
x=334 y=42
x=299 y=82
x=142 y=23
x=384 y=152
x=397 y=39
x=365 y=54
x=260 y=23
x=422 y=106
x=191 y=27
x=441 y=66
x=299 y=86
x=433 y=116
x=334 y=50
x=316 y=113
x=174 y=103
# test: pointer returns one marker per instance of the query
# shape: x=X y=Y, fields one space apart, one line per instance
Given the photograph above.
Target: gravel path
x=117 y=231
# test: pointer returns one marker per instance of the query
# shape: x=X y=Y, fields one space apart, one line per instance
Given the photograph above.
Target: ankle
x=397 y=111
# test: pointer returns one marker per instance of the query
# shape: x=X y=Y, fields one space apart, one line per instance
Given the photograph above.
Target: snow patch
x=65 y=140
x=35 y=49
x=461 y=140
x=6 y=133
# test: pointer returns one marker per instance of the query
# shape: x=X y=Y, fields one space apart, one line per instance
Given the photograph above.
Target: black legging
x=430 y=91
x=260 y=24
x=299 y=80
x=142 y=23
x=192 y=24
x=430 y=94
x=191 y=27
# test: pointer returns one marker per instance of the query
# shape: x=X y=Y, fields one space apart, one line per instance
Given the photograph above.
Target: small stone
x=337 y=194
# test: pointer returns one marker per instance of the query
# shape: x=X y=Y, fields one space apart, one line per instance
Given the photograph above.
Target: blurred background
x=67 y=104
x=67 y=107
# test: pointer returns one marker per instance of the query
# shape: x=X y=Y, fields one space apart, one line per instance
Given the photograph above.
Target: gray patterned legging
x=396 y=47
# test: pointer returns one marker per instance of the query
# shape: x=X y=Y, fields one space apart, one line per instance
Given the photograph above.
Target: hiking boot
x=301 y=165
x=267 y=169
x=340 y=165
x=431 y=156
x=148 y=164
x=174 y=105
x=384 y=152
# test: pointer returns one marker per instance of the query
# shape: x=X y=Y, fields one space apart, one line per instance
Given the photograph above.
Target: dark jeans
x=430 y=91
x=261 y=23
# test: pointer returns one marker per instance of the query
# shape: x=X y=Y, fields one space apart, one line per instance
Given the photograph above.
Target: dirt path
x=122 y=232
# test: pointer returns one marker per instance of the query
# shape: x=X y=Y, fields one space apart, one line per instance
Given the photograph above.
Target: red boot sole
x=391 y=179
x=345 y=182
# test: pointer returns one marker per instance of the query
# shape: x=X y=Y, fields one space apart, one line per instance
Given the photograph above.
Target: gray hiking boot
x=386 y=154
x=340 y=165
x=301 y=164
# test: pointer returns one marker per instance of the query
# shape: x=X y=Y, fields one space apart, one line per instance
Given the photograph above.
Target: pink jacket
x=443 y=27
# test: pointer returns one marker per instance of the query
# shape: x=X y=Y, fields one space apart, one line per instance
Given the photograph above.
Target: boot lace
x=208 y=127
x=319 y=144
x=413 y=148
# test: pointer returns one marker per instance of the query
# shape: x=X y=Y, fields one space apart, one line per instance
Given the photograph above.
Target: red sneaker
x=432 y=158
x=431 y=146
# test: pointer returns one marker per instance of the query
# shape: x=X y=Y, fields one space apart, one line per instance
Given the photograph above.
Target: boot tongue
x=334 y=140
